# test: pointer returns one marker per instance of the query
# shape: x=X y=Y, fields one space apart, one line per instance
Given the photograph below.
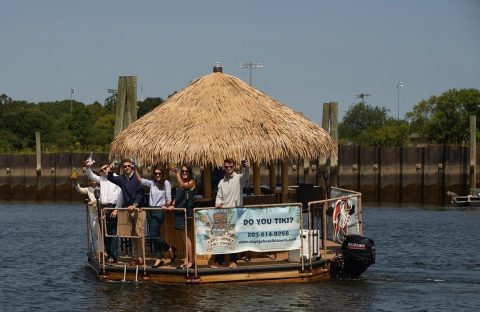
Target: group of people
x=128 y=190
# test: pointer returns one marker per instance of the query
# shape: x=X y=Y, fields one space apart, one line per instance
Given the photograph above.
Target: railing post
x=324 y=225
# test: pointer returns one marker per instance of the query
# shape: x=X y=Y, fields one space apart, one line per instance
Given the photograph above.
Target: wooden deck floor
x=245 y=259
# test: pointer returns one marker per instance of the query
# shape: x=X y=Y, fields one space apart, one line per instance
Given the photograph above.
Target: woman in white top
x=160 y=196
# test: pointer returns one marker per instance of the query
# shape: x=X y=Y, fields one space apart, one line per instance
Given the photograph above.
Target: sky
x=312 y=51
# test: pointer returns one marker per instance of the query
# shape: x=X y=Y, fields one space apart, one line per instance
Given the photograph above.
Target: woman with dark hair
x=160 y=196
x=184 y=199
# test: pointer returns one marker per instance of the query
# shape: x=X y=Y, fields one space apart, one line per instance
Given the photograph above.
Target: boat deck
x=251 y=267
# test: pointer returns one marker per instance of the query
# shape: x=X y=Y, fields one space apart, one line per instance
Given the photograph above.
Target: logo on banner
x=220 y=232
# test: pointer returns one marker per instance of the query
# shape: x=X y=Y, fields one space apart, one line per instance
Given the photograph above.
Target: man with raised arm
x=110 y=197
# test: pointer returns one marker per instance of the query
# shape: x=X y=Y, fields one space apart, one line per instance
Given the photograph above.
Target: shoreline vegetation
x=65 y=126
x=72 y=126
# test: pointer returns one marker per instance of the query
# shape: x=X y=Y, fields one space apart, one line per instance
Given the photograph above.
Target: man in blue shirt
x=132 y=192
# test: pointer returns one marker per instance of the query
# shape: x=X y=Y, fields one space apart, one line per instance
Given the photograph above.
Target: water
x=427 y=260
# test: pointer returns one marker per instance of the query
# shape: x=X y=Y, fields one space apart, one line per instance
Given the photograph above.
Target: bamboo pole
x=284 y=173
x=473 y=151
x=256 y=179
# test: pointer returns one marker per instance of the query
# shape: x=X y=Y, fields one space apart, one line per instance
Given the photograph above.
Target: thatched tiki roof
x=218 y=116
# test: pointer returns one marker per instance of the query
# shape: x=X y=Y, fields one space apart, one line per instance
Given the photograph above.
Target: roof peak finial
x=217 y=68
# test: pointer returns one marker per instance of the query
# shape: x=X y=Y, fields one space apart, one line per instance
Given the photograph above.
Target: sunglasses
x=228 y=167
x=158 y=173
x=185 y=171
x=127 y=166
x=103 y=169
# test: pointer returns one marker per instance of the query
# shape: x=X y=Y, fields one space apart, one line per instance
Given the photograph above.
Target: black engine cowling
x=358 y=253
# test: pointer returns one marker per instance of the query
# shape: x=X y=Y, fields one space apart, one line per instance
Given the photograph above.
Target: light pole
x=251 y=65
x=398 y=84
x=72 y=91
x=363 y=97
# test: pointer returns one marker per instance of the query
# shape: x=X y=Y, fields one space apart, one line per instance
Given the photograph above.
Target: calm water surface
x=427 y=260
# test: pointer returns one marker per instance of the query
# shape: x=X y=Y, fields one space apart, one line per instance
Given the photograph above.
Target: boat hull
x=278 y=273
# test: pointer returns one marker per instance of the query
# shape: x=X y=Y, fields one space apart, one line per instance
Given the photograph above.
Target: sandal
x=135 y=262
x=158 y=265
x=183 y=266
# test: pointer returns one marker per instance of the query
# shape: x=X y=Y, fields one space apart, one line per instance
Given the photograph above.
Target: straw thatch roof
x=218 y=116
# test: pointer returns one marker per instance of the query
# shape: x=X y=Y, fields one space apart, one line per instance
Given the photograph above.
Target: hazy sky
x=312 y=51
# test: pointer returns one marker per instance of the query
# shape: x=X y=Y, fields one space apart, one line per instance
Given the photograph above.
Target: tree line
x=64 y=125
x=442 y=119
x=75 y=126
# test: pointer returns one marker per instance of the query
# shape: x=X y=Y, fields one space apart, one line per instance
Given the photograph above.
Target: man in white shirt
x=110 y=197
x=230 y=195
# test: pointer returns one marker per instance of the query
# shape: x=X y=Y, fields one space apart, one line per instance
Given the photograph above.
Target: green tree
x=4 y=99
x=361 y=117
x=445 y=119
x=392 y=133
x=23 y=120
x=102 y=133
x=148 y=105
x=371 y=126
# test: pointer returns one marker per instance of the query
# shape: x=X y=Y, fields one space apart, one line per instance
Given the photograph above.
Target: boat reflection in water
x=279 y=242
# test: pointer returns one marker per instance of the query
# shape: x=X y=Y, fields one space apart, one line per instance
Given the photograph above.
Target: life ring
x=336 y=214
x=340 y=216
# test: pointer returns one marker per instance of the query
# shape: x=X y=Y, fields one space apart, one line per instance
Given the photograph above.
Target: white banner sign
x=232 y=230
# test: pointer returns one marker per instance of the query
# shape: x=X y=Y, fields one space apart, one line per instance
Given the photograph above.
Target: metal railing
x=131 y=236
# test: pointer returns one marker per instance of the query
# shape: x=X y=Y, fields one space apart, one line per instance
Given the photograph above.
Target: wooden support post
x=272 y=177
x=207 y=181
x=284 y=173
x=38 y=151
x=473 y=151
x=256 y=179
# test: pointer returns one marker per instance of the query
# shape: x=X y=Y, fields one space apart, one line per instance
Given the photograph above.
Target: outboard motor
x=358 y=253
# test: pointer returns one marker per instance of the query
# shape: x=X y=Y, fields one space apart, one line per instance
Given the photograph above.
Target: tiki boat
x=283 y=233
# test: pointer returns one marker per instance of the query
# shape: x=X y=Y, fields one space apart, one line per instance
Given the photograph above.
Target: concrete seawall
x=416 y=175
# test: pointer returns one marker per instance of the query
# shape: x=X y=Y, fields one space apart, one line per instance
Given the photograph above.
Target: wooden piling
x=473 y=151
x=323 y=171
x=334 y=135
x=38 y=151
x=126 y=108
